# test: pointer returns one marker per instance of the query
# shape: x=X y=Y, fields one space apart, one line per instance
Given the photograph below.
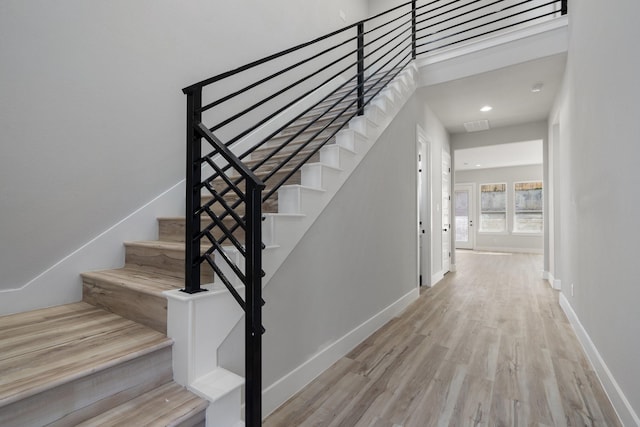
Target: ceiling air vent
x=477 y=125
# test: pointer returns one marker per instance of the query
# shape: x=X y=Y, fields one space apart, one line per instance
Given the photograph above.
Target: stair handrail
x=343 y=92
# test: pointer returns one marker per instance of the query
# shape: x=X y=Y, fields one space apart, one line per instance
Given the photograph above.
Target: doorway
x=424 y=207
x=446 y=212
x=463 y=206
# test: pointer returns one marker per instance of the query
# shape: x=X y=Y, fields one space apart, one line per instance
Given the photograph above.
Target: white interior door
x=446 y=211
x=463 y=211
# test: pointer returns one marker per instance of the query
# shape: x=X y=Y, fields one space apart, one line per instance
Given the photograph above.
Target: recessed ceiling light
x=478 y=165
x=486 y=108
x=537 y=87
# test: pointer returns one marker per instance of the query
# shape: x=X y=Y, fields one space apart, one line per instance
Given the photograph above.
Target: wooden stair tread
x=157 y=244
x=167 y=405
x=46 y=348
x=141 y=280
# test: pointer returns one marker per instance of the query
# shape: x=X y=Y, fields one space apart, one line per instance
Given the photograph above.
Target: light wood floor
x=488 y=346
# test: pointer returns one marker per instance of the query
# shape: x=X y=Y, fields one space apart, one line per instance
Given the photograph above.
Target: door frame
x=471 y=188
x=446 y=201
x=424 y=254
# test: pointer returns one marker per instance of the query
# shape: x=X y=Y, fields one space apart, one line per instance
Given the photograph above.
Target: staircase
x=108 y=360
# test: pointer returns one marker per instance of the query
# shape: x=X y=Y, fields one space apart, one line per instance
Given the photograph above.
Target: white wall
x=92 y=113
x=598 y=176
x=508 y=241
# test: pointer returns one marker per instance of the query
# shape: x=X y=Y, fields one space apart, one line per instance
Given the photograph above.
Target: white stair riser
x=314 y=174
x=337 y=156
x=374 y=113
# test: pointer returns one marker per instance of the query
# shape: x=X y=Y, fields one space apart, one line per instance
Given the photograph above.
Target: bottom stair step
x=65 y=364
x=167 y=405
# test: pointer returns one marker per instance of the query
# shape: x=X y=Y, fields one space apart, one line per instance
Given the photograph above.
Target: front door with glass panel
x=463 y=211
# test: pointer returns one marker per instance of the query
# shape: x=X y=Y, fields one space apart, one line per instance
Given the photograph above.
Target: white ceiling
x=507 y=90
x=498 y=156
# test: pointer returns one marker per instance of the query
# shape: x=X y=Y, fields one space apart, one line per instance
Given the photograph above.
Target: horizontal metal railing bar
x=374 y=29
x=489 y=23
x=281 y=91
x=271 y=57
x=335 y=95
x=431 y=17
x=281 y=109
x=419 y=30
x=227 y=154
x=298 y=139
x=302 y=80
x=369 y=43
x=469 y=12
x=273 y=134
x=426 y=12
x=274 y=75
x=349 y=117
x=232 y=185
x=223 y=203
x=319 y=146
x=336 y=103
x=503 y=9
x=217 y=222
x=481 y=34
x=227 y=283
x=223 y=254
x=293 y=66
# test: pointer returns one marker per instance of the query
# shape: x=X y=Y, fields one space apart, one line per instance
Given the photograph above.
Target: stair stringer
x=200 y=323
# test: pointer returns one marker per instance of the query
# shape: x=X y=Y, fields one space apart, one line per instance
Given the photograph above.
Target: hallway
x=488 y=346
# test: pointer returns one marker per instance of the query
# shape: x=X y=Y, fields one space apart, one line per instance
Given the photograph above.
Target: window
x=528 y=207
x=493 y=208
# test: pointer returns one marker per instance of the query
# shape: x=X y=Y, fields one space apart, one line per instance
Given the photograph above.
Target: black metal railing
x=250 y=130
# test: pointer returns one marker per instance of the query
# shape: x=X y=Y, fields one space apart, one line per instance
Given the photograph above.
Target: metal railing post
x=413 y=29
x=253 y=304
x=564 y=7
x=192 y=226
x=360 y=68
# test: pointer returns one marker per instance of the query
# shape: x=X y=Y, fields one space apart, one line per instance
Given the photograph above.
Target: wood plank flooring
x=488 y=346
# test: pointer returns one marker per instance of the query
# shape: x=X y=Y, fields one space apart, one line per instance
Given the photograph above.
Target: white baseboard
x=436 y=278
x=511 y=250
x=553 y=282
x=61 y=283
x=280 y=391
x=557 y=284
x=620 y=403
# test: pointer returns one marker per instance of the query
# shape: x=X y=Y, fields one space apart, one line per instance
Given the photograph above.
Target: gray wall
x=92 y=113
x=504 y=241
x=597 y=178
